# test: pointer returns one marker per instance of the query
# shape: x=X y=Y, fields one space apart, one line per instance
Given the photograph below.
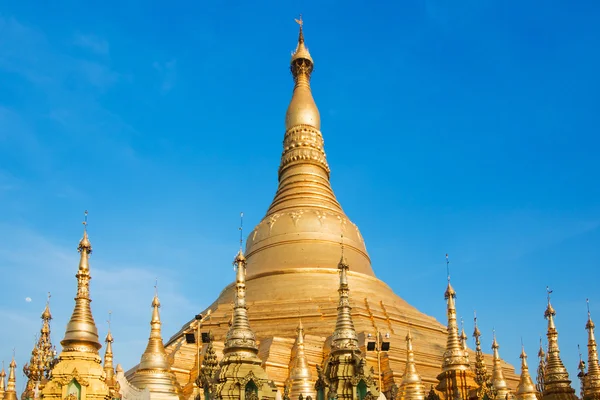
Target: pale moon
x=28 y=299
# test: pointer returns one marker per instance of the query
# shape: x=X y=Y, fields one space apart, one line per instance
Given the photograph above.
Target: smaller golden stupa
x=526 y=389
x=557 y=385
x=154 y=371
x=411 y=387
x=79 y=375
x=11 y=387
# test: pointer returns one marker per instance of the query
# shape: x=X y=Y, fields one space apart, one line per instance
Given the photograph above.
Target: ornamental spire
x=526 y=389
x=43 y=355
x=556 y=379
x=240 y=337
x=154 y=371
x=481 y=374
x=11 y=388
x=592 y=380
x=302 y=109
x=108 y=357
x=2 y=382
x=541 y=370
x=81 y=333
x=463 y=340
x=411 y=387
x=344 y=336
x=300 y=374
x=498 y=381
x=454 y=356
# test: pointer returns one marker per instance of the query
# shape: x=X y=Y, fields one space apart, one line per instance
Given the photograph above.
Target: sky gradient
x=469 y=129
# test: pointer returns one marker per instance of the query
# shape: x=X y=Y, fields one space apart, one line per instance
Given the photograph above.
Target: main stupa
x=292 y=257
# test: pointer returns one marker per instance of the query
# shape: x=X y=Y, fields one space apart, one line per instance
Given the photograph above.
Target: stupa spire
x=556 y=379
x=304 y=221
x=592 y=380
x=481 y=375
x=526 y=389
x=11 y=387
x=43 y=356
x=300 y=375
x=541 y=370
x=454 y=356
x=498 y=381
x=2 y=382
x=411 y=387
x=240 y=337
x=108 y=357
x=463 y=340
x=154 y=371
x=81 y=332
x=344 y=336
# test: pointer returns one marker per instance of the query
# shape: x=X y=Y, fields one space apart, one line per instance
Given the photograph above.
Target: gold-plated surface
x=240 y=339
x=457 y=379
x=557 y=385
x=43 y=358
x=109 y=370
x=79 y=371
x=291 y=273
x=81 y=333
x=482 y=378
x=592 y=378
x=11 y=387
x=411 y=387
x=526 y=389
x=498 y=381
x=2 y=382
x=301 y=381
x=154 y=371
x=344 y=373
x=304 y=223
x=241 y=376
x=541 y=370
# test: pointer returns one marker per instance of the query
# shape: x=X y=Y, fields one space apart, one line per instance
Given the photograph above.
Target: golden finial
x=302 y=109
x=454 y=355
x=592 y=379
x=526 y=390
x=541 y=370
x=481 y=375
x=154 y=371
x=81 y=330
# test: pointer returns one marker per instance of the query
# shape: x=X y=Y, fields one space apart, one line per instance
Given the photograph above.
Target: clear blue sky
x=469 y=128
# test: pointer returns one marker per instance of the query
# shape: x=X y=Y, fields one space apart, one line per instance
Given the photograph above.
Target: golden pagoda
x=411 y=387
x=557 y=385
x=498 y=381
x=592 y=377
x=241 y=376
x=11 y=387
x=79 y=375
x=292 y=256
x=301 y=381
x=154 y=371
x=457 y=380
x=526 y=389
